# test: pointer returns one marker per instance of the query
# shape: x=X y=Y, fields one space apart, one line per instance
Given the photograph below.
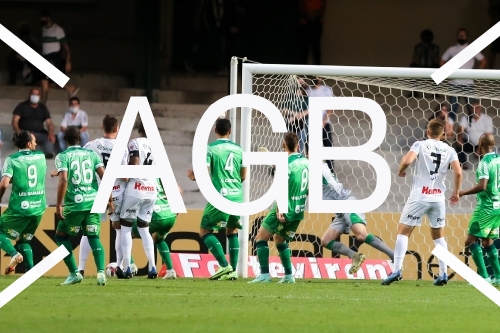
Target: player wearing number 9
x=26 y=170
x=284 y=226
x=78 y=187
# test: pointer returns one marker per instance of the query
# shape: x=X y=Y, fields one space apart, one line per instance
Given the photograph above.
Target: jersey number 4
x=437 y=161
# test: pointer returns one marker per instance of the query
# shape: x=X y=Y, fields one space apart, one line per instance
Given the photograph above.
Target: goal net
x=409 y=98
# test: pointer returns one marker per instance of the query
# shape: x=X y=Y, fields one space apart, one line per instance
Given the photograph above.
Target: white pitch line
x=468 y=53
x=32 y=275
x=33 y=57
x=468 y=274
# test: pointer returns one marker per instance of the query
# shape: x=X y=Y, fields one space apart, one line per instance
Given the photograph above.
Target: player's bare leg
x=438 y=238
x=404 y=231
x=329 y=242
x=214 y=246
x=234 y=250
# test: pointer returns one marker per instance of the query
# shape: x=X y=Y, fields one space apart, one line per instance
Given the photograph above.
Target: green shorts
x=213 y=219
x=483 y=225
x=20 y=228
x=286 y=230
x=160 y=227
x=85 y=221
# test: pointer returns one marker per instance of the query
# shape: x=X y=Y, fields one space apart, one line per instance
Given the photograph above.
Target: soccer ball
x=134 y=269
x=111 y=269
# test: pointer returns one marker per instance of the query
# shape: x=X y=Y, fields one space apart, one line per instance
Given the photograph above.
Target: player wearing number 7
x=78 y=187
x=224 y=162
x=427 y=195
x=485 y=221
x=26 y=170
x=283 y=226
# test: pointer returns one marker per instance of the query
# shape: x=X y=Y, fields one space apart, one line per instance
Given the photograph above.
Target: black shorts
x=56 y=60
x=495 y=46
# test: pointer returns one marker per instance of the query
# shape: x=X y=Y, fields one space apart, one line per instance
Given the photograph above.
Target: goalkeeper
x=485 y=221
x=284 y=226
x=345 y=222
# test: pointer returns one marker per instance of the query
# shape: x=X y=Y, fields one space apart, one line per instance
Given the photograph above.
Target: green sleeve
x=482 y=171
x=61 y=162
x=97 y=161
x=209 y=156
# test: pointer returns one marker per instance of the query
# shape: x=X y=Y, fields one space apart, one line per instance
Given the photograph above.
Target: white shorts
x=414 y=211
x=137 y=208
x=118 y=195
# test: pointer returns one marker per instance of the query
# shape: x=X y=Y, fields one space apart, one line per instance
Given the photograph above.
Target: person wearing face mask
x=74 y=117
x=55 y=49
x=33 y=116
x=464 y=85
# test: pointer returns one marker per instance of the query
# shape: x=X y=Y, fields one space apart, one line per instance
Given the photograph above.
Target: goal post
x=408 y=97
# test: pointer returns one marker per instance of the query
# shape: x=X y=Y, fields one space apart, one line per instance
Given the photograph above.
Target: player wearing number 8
x=485 y=221
x=427 y=195
x=284 y=226
x=26 y=170
x=78 y=187
x=224 y=163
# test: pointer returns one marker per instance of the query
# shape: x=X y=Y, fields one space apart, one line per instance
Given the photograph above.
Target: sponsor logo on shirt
x=130 y=210
x=25 y=205
x=157 y=208
x=116 y=187
x=223 y=192
x=140 y=187
x=427 y=190
x=78 y=198
x=25 y=194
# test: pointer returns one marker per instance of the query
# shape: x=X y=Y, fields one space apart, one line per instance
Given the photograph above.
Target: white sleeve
x=454 y=156
x=415 y=147
x=133 y=145
x=64 y=122
x=60 y=33
x=89 y=145
x=85 y=119
x=447 y=55
x=327 y=174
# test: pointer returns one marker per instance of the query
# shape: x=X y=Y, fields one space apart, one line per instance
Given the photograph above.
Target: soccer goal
x=408 y=97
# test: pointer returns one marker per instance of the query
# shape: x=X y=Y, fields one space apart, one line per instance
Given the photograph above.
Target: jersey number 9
x=32 y=176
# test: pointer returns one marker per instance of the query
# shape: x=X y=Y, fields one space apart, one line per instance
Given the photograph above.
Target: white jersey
x=103 y=147
x=433 y=160
x=140 y=148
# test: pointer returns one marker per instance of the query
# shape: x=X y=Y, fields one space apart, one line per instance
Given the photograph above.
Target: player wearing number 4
x=284 y=226
x=427 y=195
x=78 y=187
x=224 y=162
x=26 y=170
x=485 y=221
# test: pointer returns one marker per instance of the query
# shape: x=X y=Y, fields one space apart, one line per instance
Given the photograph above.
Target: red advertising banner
x=204 y=265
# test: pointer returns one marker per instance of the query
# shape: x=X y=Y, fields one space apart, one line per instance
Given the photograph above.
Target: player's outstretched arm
x=4 y=183
x=479 y=187
x=457 y=171
x=405 y=162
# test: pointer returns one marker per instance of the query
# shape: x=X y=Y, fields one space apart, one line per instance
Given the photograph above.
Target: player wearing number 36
x=78 y=187
x=26 y=170
x=427 y=195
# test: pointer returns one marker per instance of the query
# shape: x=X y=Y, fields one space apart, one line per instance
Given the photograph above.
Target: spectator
x=311 y=24
x=426 y=53
x=55 y=49
x=31 y=115
x=15 y=62
x=464 y=85
x=74 y=117
x=442 y=112
x=494 y=12
x=320 y=90
x=471 y=128
x=297 y=122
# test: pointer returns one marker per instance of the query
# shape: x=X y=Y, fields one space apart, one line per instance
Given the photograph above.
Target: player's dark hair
x=291 y=141
x=222 y=126
x=74 y=98
x=110 y=123
x=72 y=135
x=140 y=128
x=427 y=35
x=45 y=12
x=436 y=128
x=33 y=89
x=22 y=139
x=464 y=30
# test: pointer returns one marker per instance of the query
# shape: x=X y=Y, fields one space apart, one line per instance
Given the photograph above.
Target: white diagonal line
x=32 y=275
x=468 y=274
x=33 y=57
x=468 y=53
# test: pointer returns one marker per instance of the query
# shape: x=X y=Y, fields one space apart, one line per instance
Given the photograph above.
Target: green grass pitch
x=199 y=305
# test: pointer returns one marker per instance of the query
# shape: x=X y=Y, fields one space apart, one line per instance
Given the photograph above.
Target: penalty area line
x=32 y=275
x=468 y=274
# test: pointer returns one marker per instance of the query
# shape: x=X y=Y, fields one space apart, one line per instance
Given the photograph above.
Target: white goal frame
x=251 y=69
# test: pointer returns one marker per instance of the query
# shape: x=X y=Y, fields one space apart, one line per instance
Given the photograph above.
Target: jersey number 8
x=305 y=180
x=82 y=170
